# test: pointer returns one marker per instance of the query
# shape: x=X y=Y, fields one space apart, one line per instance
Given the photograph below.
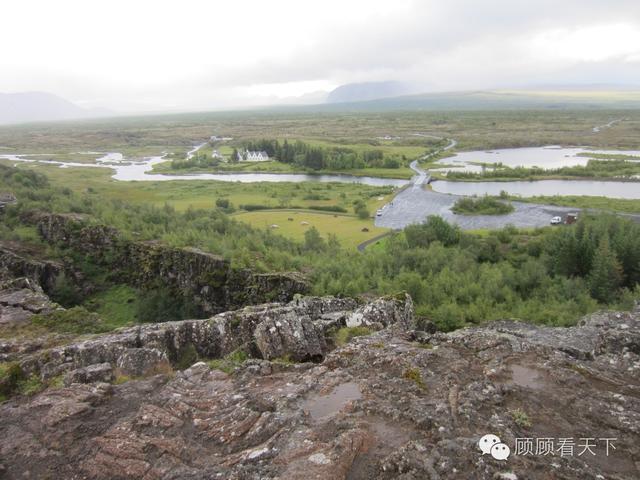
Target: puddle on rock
x=330 y=404
x=527 y=377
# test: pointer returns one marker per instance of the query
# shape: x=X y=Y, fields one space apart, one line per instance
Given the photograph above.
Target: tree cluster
x=318 y=158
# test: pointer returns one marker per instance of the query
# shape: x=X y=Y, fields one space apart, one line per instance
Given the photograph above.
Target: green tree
x=313 y=241
x=361 y=210
x=605 y=277
x=235 y=156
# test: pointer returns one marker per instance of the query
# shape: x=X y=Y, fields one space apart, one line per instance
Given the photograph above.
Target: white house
x=250 y=156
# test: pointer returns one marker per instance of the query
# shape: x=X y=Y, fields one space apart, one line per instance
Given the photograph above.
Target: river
x=127 y=170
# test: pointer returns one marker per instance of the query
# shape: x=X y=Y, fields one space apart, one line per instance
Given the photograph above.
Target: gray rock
x=296 y=329
x=20 y=299
x=385 y=311
x=290 y=335
x=102 y=372
x=381 y=406
x=139 y=362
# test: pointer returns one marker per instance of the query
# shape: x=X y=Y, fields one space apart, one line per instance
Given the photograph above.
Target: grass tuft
x=345 y=334
x=414 y=375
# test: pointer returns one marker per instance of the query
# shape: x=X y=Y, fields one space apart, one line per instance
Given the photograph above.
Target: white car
x=379 y=213
x=556 y=220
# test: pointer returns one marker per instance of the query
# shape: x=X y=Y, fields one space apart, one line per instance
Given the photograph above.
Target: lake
x=629 y=190
x=547 y=158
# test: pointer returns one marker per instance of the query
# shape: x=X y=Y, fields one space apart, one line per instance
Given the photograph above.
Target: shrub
x=521 y=418
x=230 y=362
x=414 y=375
x=65 y=292
x=222 y=203
x=251 y=207
x=481 y=206
x=328 y=208
x=161 y=304
x=361 y=210
x=187 y=357
x=10 y=377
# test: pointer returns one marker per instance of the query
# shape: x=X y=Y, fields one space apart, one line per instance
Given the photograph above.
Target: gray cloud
x=458 y=44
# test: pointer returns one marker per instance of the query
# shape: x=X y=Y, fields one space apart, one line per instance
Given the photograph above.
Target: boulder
x=139 y=362
x=102 y=372
x=290 y=335
x=385 y=311
x=20 y=299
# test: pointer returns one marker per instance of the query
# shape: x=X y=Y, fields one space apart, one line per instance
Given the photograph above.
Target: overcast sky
x=139 y=55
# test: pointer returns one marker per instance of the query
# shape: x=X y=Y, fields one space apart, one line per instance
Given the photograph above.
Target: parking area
x=416 y=203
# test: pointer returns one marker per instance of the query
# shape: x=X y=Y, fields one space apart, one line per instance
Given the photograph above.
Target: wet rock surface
x=397 y=404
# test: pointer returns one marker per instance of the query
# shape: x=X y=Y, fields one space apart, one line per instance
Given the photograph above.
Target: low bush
x=481 y=206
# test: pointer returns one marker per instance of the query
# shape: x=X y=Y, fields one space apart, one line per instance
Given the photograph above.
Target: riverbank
x=613 y=205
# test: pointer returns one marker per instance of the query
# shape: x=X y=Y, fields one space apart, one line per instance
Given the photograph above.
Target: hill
x=25 y=107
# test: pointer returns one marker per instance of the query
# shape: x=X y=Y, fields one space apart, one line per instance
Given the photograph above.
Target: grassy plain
x=390 y=131
x=348 y=228
x=473 y=129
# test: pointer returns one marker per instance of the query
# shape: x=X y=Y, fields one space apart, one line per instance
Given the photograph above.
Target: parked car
x=379 y=213
x=556 y=220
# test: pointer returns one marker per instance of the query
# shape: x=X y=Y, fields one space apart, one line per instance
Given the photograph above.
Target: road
x=423 y=177
x=599 y=128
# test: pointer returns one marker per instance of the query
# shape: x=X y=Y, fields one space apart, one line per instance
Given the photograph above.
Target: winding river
x=549 y=157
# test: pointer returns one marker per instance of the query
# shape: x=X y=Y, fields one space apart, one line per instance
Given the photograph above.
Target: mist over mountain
x=25 y=107
x=556 y=98
x=359 y=92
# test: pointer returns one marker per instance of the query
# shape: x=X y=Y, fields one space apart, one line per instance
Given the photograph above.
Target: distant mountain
x=41 y=106
x=357 y=92
x=494 y=99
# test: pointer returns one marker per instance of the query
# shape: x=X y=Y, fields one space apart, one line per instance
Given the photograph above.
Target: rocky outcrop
x=20 y=299
x=396 y=404
x=206 y=280
x=385 y=311
x=102 y=372
x=15 y=264
x=296 y=330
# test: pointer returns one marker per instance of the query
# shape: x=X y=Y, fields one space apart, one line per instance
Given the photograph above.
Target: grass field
x=347 y=228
